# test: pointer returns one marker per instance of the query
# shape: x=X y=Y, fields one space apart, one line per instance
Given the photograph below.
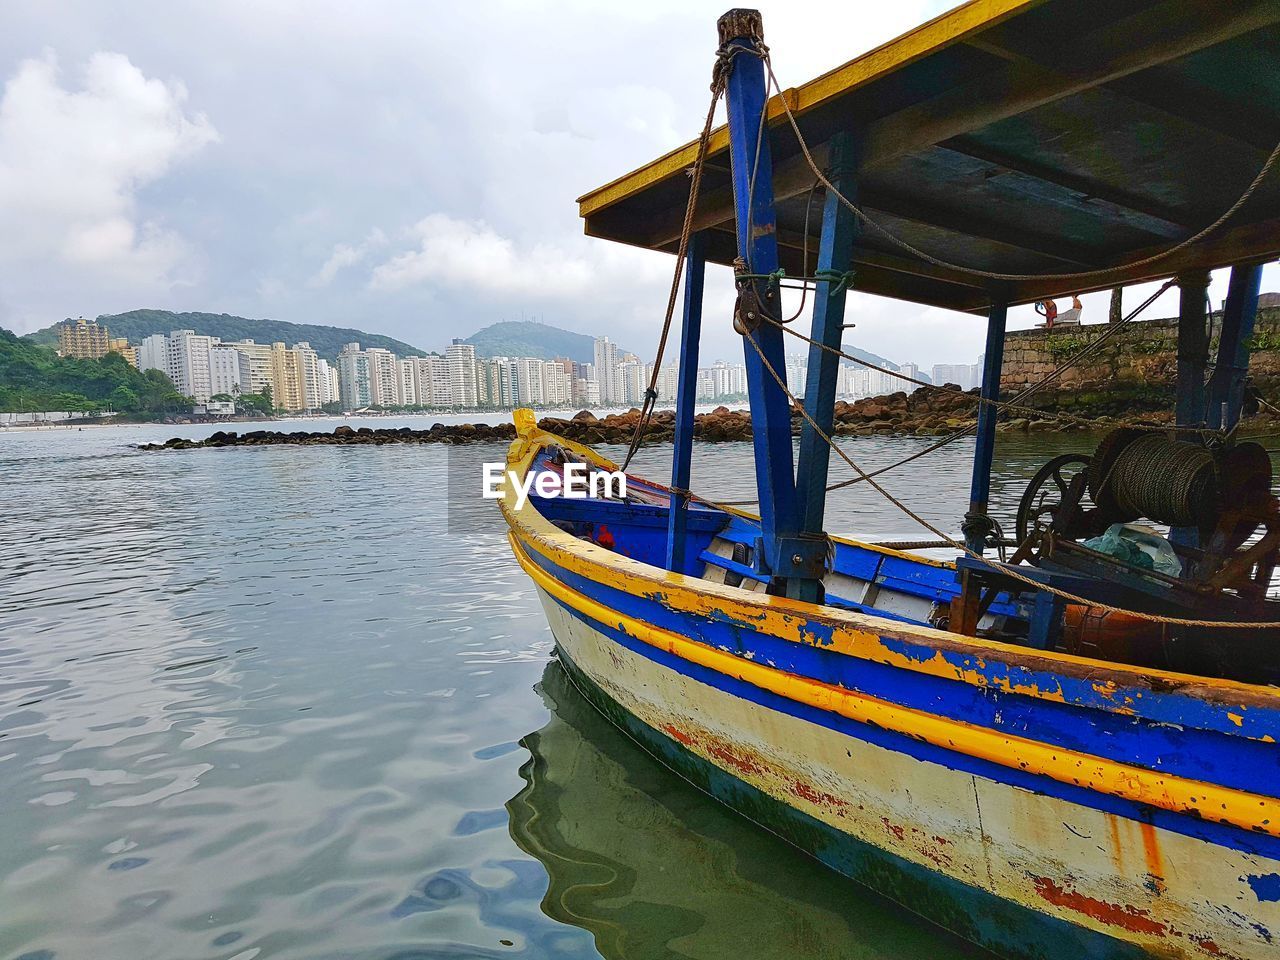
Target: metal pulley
x=748 y=312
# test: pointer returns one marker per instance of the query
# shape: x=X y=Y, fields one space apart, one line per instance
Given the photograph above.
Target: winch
x=1217 y=502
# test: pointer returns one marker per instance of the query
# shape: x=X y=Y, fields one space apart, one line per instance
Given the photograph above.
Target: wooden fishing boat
x=1067 y=753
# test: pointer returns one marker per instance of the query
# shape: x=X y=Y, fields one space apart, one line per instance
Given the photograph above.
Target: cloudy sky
x=408 y=168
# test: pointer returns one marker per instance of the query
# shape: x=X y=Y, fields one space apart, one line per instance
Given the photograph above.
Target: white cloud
x=470 y=254
x=346 y=255
x=73 y=161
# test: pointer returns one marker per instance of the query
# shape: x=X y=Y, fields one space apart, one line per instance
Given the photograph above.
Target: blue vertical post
x=1193 y=358
x=835 y=253
x=686 y=397
x=1193 y=347
x=1226 y=386
x=786 y=557
x=976 y=522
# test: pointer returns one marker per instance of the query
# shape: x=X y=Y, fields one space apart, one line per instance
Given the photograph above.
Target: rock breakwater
x=929 y=411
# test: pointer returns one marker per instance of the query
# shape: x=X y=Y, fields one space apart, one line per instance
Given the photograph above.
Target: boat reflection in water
x=652 y=867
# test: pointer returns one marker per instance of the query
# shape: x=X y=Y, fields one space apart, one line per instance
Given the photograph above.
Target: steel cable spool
x=1138 y=474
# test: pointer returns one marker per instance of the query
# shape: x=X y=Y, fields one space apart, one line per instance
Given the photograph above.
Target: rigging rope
x=1014 y=404
x=719 y=77
x=1003 y=570
x=723 y=64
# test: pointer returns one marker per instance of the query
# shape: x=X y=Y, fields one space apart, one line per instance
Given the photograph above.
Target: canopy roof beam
x=969 y=151
x=968 y=225
x=1170 y=30
x=1149 y=215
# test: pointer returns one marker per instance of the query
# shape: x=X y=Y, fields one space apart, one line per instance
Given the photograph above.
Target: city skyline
x=296 y=379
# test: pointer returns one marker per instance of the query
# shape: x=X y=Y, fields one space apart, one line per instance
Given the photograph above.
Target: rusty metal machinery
x=1223 y=494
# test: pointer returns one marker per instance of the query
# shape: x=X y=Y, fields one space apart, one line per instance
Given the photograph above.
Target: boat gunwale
x=765 y=611
x=1202 y=800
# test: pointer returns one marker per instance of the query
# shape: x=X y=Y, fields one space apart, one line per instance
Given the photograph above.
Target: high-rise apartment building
x=382 y=377
x=83 y=339
x=228 y=371
x=353 y=377
x=188 y=363
x=153 y=354
x=556 y=384
x=488 y=383
x=315 y=386
x=606 y=370
x=121 y=346
x=435 y=381
x=407 y=393
x=529 y=381
x=960 y=374
x=288 y=378
x=631 y=382
x=183 y=356
x=259 y=357
x=329 y=377
x=668 y=383
x=462 y=373
x=797 y=373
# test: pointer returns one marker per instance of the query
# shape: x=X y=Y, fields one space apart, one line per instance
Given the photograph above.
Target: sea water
x=260 y=703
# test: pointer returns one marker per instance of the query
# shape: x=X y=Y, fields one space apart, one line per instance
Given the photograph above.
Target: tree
x=123 y=400
x=256 y=402
x=73 y=402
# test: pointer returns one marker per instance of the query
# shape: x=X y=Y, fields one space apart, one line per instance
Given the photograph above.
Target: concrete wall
x=1142 y=357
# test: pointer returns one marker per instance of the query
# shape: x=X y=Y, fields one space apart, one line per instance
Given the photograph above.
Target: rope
x=723 y=64
x=1002 y=570
x=1166 y=480
x=841 y=278
x=763 y=53
x=1014 y=404
x=719 y=77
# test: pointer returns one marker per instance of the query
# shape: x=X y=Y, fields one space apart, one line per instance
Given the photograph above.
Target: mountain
x=870 y=357
x=326 y=341
x=522 y=338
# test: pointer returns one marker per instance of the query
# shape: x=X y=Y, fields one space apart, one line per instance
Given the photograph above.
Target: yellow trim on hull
x=1248 y=811
x=855 y=634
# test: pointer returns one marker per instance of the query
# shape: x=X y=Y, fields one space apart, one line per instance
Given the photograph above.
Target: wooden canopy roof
x=1015 y=136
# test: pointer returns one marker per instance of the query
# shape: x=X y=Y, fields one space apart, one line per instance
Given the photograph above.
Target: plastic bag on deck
x=1138 y=545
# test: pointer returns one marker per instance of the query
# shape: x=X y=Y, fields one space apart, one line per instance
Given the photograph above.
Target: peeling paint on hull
x=1020 y=872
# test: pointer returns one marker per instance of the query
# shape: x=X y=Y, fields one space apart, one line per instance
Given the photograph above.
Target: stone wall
x=1141 y=359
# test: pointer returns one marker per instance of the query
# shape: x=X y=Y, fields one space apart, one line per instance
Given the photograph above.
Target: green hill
x=35 y=378
x=522 y=338
x=326 y=341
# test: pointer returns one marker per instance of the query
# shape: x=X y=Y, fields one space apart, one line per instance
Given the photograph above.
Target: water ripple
x=256 y=703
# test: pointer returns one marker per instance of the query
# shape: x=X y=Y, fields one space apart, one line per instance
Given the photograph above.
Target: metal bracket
x=807 y=556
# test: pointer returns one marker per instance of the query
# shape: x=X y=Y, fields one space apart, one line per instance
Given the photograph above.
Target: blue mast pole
x=781 y=553
x=835 y=255
x=1193 y=347
x=976 y=522
x=1226 y=386
x=1193 y=357
x=686 y=397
